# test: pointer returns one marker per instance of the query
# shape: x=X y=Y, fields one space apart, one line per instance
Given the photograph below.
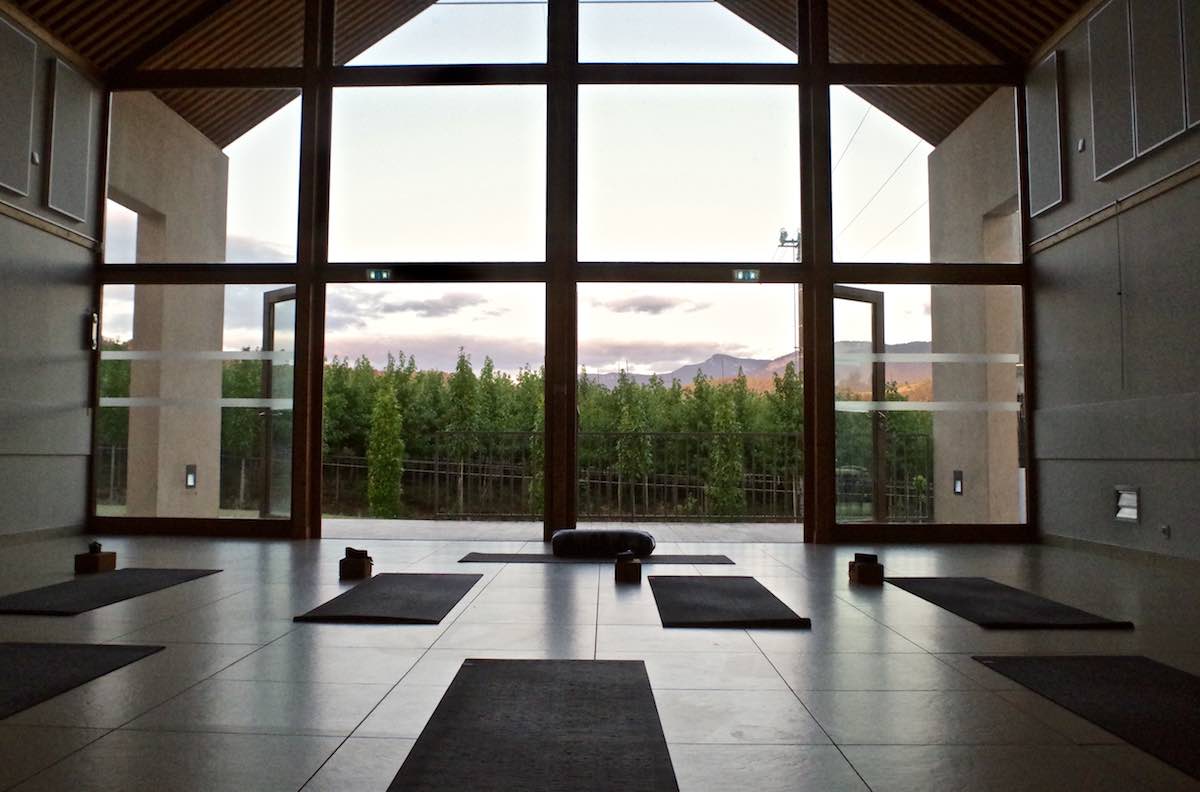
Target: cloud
x=446 y=305
x=662 y=356
x=350 y=311
x=354 y=310
x=439 y=351
x=248 y=250
x=244 y=306
x=653 y=304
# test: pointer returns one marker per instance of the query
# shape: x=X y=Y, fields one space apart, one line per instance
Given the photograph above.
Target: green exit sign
x=379 y=274
x=746 y=276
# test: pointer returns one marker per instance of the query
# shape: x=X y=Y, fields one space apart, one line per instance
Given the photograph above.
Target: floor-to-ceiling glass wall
x=753 y=274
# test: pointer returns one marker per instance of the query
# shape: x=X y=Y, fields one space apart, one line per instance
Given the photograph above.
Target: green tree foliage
x=112 y=423
x=462 y=419
x=786 y=401
x=385 y=453
x=708 y=431
x=349 y=397
x=242 y=427
x=723 y=487
x=537 y=457
x=634 y=455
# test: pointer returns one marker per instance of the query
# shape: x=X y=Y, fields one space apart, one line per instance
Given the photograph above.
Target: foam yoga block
x=357 y=564
x=601 y=543
x=866 y=569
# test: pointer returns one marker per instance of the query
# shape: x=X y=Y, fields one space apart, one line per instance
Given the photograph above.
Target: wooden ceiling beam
x=969 y=30
x=169 y=35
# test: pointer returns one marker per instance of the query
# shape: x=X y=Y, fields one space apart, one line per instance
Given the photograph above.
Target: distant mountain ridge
x=720 y=366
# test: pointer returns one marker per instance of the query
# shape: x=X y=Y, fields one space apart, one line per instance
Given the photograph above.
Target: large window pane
x=438 y=174
x=370 y=33
x=687 y=173
x=691 y=403
x=433 y=402
x=929 y=394
x=195 y=414
x=700 y=31
x=211 y=176
x=924 y=174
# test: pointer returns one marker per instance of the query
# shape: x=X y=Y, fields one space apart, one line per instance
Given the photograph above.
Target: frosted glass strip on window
x=925 y=357
x=122 y=401
x=279 y=355
x=912 y=406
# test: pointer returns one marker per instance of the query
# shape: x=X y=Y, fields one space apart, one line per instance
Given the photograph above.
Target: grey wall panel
x=18 y=73
x=1191 y=57
x=1045 y=141
x=1158 y=92
x=1076 y=500
x=1085 y=195
x=1112 y=88
x=1160 y=273
x=70 y=159
x=43 y=365
x=42 y=492
x=45 y=426
x=1156 y=427
x=1077 y=320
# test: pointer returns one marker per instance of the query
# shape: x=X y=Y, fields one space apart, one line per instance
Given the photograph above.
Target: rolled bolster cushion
x=600 y=542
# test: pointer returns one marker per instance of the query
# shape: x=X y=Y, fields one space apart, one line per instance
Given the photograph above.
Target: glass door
x=278 y=346
x=860 y=389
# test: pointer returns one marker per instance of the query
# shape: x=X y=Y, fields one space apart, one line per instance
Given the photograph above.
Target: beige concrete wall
x=172 y=176
x=973 y=177
x=973 y=216
x=176 y=180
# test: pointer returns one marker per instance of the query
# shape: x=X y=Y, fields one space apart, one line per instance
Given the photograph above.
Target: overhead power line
x=871 y=200
x=897 y=227
x=853 y=135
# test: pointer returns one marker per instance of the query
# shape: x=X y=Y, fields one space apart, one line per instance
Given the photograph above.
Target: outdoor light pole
x=794 y=244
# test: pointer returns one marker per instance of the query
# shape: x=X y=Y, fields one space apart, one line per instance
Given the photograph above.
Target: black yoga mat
x=1000 y=607
x=536 y=725
x=1147 y=704
x=719 y=601
x=395 y=599
x=31 y=673
x=88 y=592
x=541 y=558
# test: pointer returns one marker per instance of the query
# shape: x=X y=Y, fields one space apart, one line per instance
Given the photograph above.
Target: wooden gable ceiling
x=195 y=34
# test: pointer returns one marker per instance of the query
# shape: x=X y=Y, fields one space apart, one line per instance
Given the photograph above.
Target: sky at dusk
x=684 y=173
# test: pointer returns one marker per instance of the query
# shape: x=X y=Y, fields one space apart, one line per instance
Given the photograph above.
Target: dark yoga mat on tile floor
x=541 y=725
x=540 y=558
x=1147 y=704
x=32 y=673
x=88 y=592
x=720 y=601
x=999 y=607
x=396 y=598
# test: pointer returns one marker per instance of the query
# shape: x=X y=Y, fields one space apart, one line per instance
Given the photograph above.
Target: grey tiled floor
x=881 y=693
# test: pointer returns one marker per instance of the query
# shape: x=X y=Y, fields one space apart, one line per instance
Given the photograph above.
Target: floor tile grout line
x=165 y=701
x=403 y=676
x=820 y=725
x=596 y=632
x=61 y=758
x=199 y=607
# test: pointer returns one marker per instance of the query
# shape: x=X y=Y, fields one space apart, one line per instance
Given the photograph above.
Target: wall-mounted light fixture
x=1126 y=502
